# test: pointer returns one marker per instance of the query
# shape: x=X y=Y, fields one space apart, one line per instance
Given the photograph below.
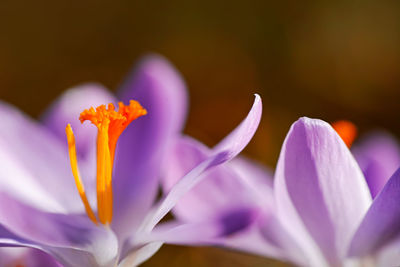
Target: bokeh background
x=326 y=59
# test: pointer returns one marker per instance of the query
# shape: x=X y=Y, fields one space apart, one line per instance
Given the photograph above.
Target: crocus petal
x=205 y=232
x=183 y=233
x=62 y=235
x=160 y=90
x=31 y=154
x=21 y=183
x=67 y=108
x=318 y=181
x=238 y=139
x=381 y=224
x=221 y=189
x=379 y=157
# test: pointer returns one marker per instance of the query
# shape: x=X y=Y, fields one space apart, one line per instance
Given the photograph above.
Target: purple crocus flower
x=319 y=211
x=40 y=206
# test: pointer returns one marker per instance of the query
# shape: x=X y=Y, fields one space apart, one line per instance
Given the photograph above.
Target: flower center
x=346 y=130
x=110 y=125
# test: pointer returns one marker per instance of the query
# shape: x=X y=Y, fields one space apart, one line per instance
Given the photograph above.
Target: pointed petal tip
x=256 y=110
x=243 y=133
x=257 y=103
x=257 y=99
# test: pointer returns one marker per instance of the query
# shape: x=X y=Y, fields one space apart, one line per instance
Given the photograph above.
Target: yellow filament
x=75 y=172
x=110 y=125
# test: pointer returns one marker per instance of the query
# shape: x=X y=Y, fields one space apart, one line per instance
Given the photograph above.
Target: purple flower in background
x=378 y=155
x=319 y=212
x=40 y=206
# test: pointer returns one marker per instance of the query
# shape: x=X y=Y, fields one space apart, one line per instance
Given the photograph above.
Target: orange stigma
x=110 y=125
x=346 y=130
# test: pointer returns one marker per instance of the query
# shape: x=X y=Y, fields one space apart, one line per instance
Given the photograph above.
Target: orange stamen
x=110 y=125
x=346 y=130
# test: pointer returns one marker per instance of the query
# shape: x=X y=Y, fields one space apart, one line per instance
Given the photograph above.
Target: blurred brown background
x=326 y=59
